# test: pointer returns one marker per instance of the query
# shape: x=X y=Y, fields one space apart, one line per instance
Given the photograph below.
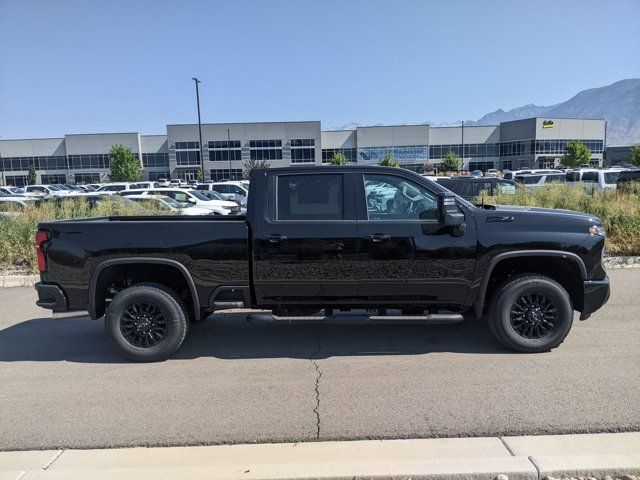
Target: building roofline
x=241 y=123
x=466 y=126
x=28 y=139
x=554 y=118
x=100 y=133
x=396 y=125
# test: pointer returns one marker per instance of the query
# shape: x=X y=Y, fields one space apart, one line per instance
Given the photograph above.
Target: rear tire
x=147 y=322
x=530 y=313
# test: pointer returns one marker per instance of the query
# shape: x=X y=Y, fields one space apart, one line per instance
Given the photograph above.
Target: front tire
x=531 y=313
x=147 y=323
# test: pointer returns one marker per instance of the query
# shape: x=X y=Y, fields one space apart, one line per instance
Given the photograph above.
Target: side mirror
x=191 y=200
x=452 y=218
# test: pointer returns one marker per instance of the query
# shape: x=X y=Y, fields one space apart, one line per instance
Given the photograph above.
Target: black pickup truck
x=317 y=240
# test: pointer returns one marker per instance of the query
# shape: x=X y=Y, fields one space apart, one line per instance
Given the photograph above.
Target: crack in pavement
x=316 y=409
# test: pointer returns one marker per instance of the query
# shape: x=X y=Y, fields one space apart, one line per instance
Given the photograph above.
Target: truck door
x=410 y=256
x=305 y=239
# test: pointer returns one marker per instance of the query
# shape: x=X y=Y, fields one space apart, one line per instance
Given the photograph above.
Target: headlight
x=597 y=230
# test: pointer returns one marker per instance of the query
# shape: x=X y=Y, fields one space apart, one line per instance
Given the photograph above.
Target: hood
x=545 y=211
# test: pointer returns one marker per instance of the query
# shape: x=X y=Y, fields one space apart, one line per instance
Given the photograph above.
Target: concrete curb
x=18 y=280
x=30 y=280
x=519 y=458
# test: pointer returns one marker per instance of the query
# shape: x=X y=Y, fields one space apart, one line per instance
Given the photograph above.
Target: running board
x=432 y=319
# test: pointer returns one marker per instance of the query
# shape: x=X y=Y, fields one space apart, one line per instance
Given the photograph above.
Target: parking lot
x=63 y=385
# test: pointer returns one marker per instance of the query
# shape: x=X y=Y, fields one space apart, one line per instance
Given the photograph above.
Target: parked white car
x=510 y=175
x=539 y=179
x=9 y=190
x=169 y=204
x=46 y=190
x=598 y=179
x=229 y=190
x=190 y=197
x=113 y=188
x=146 y=184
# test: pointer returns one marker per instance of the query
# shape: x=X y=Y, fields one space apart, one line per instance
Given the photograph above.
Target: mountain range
x=618 y=104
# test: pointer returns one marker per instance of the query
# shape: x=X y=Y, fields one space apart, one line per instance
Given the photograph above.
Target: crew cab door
x=410 y=256
x=305 y=239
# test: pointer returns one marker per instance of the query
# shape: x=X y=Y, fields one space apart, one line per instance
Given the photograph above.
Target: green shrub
x=17 y=230
x=618 y=209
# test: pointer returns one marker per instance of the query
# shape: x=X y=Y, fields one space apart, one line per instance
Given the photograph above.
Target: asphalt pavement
x=62 y=385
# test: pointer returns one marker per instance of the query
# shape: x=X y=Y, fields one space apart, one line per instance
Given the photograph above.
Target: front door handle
x=277 y=238
x=379 y=237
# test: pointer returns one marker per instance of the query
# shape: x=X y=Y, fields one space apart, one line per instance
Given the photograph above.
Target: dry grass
x=17 y=250
x=618 y=209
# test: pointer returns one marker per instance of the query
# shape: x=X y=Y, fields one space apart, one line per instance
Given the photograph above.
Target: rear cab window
x=310 y=197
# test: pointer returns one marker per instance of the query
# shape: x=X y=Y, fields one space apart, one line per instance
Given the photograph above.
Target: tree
x=634 y=155
x=31 y=176
x=199 y=176
x=388 y=161
x=124 y=165
x=251 y=165
x=575 y=154
x=451 y=162
x=338 y=158
x=428 y=168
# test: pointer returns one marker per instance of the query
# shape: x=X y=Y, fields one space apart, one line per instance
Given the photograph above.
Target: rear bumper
x=596 y=294
x=53 y=298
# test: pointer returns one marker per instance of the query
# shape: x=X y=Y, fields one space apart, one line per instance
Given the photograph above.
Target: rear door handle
x=379 y=237
x=277 y=238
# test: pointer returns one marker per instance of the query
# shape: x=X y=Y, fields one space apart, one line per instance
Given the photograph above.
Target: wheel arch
x=523 y=258
x=101 y=276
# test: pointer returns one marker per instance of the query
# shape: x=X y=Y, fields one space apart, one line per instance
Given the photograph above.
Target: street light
x=199 y=126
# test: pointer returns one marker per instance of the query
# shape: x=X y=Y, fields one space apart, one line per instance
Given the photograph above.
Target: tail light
x=42 y=236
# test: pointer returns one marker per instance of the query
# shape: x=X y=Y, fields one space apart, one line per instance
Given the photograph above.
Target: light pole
x=229 y=152
x=462 y=144
x=199 y=126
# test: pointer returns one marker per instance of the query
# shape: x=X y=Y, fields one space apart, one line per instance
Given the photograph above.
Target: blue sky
x=80 y=66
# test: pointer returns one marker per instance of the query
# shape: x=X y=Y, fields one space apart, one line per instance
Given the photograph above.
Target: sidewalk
x=532 y=457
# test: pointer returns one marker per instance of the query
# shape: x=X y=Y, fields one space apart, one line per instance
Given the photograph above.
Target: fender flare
x=478 y=305
x=93 y=284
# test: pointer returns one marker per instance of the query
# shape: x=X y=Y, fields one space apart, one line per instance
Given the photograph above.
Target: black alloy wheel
x=143 y=325
x=534 y=315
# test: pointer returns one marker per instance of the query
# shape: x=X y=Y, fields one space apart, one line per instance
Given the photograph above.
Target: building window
x=187 y=174
x=310 y=197
x=223 y=150
x=471 y=150
x=86 y=178
x=226 y=174
x=187 y=145
x=265 y=149
x=187 y=157
x=17 y=164
x=153 y=176
x=53 y=178
x=351 y=154
x=16 y=180
x=187 y=153
x=558 y=146
x=303 y=150
x=155 y=159
x=89 y=162
x=517 y=148
x=406 y=154
x=484 y=166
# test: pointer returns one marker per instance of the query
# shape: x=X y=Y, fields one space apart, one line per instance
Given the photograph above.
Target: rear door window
x=590 y=177
x=310 y=197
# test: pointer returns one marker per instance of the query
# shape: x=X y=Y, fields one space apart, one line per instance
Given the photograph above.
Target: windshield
x=199 y=195
x=212 y=195
x=54 y=188
x=611 y=177
x=171 y=201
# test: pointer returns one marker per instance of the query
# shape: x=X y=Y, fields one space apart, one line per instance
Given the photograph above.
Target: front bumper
x=596 y=294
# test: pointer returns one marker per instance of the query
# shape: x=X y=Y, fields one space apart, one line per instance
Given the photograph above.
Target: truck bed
x=214 y=249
